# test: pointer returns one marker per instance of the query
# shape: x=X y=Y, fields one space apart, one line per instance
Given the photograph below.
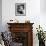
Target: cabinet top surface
x=19 y=23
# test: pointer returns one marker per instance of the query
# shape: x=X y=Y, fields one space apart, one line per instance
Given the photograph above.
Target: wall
x=43 y=6
x=33 y=13
x=43 y=14
x=0 y=15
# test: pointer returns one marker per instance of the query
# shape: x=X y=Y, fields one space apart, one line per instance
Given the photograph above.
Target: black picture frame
x=20 y=9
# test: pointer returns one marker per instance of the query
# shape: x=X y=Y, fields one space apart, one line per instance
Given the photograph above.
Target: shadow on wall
x=0 y=15
x=43 y=6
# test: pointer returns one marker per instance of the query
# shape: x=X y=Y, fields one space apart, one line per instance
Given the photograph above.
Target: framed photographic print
x=20 y=9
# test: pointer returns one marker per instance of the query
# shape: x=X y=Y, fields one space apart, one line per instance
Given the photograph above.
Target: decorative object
x=13 y=21
x=20 y=9
x=27 y=21
x=41 y=36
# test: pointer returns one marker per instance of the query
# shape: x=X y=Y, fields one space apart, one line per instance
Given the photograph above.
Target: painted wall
x=0 y=15
x=43 y=6
x=43 y=14
x=33 y=13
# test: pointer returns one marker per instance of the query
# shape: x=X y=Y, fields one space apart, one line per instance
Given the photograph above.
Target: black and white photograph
x=20 y=9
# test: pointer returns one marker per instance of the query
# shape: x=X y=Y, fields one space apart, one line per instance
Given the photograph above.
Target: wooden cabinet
x=22 y=33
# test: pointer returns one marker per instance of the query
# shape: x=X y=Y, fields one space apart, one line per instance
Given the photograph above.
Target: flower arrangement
x=40 y=34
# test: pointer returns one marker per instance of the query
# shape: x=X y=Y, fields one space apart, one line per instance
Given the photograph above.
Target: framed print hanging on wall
x=20 y=9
